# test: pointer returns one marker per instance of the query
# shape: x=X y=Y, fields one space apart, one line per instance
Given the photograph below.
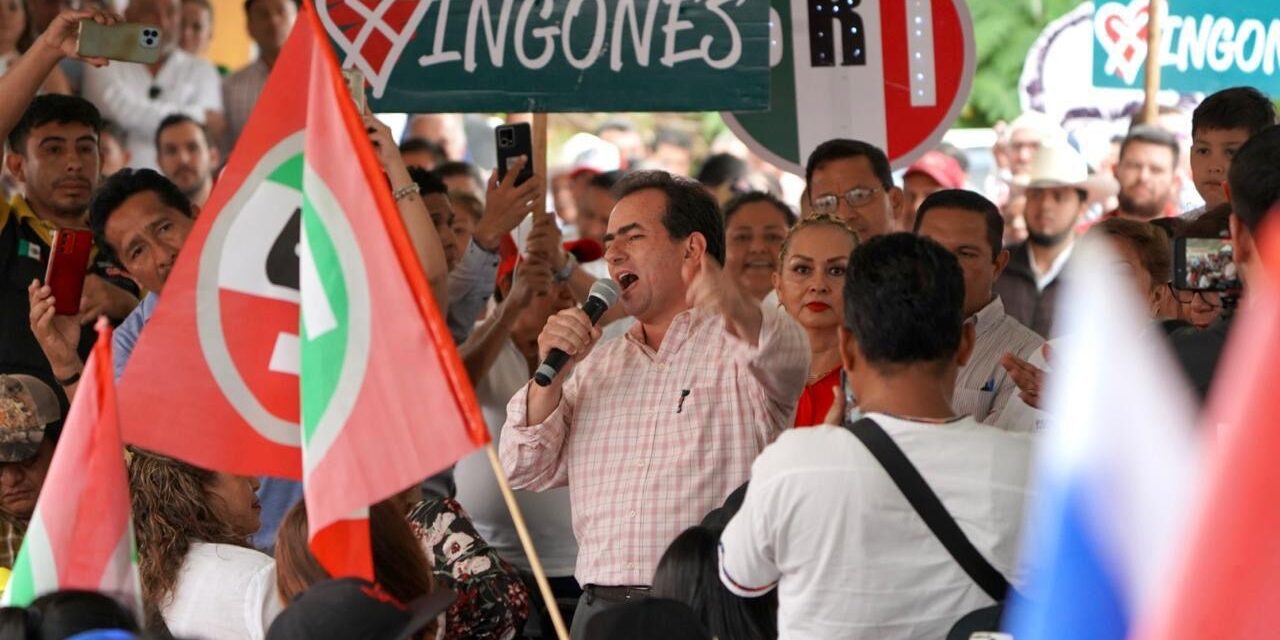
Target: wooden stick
x=517 y=518
x=539 y=159
x=1151 y=108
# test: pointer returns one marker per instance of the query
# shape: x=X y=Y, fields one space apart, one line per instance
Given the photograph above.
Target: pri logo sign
x=283 y=289
x=894 y=73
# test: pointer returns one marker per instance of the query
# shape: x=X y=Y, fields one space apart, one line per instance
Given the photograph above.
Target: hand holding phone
x=68 y=263
x=127 y=41
x=514 y=141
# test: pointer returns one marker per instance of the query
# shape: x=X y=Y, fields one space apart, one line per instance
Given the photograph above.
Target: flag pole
x=1151 y=108
x=539 y=159
x=517 y=518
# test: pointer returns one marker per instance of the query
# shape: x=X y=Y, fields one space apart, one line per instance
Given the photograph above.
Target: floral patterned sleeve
x=492 y=601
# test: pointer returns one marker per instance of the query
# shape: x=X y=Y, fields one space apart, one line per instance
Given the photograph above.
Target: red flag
x=1228 y=583
x=81 y=534
x=297 y=335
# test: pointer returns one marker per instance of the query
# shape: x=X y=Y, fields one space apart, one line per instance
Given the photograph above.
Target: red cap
x=941 y=167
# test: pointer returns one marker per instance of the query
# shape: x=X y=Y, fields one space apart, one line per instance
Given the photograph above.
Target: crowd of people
x=726 y=453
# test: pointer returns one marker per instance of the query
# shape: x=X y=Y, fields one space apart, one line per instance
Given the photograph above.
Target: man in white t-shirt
x=138 y=96
x=825 y=524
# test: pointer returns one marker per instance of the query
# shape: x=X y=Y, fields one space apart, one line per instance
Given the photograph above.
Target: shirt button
x=631 y=565
x=631 y=514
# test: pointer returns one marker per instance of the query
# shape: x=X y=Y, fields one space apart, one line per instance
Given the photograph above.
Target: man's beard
x=1146 y=210
x=194 y=190
x=1048 y=240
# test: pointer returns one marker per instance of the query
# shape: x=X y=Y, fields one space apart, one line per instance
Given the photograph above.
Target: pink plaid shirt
x=649 y=442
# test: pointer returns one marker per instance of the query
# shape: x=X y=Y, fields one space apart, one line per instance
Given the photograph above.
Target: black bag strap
x=930 y=508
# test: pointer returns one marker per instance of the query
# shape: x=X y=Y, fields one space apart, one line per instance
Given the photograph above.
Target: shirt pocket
x=973 y=402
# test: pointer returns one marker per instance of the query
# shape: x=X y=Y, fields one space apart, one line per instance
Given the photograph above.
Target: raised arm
x=413 y=212
x=20 y=85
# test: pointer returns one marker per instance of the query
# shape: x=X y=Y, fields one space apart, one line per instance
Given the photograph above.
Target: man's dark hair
x=428 y=182
x=607 y=180
x=904 y=300
x=67 y=613
x=451 y=168
x=968 y=201
x=738 y=202
x=1255 y=177
x=53 y=108
x=175 y=119
x=841 y=148
x=422 y=145
x=1234 y=108
x=1151 y=135
x=689 y=207
x=123 y=185
x=722 y=168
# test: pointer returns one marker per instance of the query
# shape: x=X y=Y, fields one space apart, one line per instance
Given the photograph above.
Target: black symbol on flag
x=282 y=260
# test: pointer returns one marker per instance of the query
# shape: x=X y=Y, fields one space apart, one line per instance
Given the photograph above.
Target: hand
x=1028 y=377
x=101 y=298
x=63 y=34
x=836 y=414
x=715 y=290
x=506 y=205
x=571 y=332
x=59 y=336
x=384 y=145
x=544 y=241
x=533 y=278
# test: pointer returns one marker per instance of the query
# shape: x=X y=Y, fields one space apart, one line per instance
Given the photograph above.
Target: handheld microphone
x=604 y=293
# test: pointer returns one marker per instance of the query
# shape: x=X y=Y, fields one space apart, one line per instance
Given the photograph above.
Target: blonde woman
x=810 y=286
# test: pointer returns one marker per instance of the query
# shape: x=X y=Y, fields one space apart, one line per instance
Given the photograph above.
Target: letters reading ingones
x=539 y=29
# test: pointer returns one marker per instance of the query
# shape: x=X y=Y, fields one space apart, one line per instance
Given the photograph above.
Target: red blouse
x=816 y=400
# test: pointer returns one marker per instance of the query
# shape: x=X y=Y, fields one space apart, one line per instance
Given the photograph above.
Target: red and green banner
x=297 y=335
x=81 y=534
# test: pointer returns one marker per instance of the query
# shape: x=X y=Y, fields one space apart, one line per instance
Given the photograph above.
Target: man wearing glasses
x=851 y=180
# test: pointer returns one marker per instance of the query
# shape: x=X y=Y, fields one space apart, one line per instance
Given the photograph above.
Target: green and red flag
x=81 y=533
x=297 y=335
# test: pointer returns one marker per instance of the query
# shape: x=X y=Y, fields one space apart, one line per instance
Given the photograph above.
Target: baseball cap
x=356 y=609
x=29 y=411
x=942 y=168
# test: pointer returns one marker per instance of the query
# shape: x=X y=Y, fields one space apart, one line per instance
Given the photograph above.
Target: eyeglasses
x=1211 y=298
x=856 y=197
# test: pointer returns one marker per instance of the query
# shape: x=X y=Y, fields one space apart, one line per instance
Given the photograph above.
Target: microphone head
x=606 y=290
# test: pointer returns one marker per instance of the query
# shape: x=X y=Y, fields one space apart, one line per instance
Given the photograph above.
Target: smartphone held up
x=125 y=41
x=67 y=266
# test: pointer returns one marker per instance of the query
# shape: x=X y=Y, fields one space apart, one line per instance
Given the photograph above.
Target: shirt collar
x=685 y=324
x=1044 y=279
x=22 y=211
x=987 y=318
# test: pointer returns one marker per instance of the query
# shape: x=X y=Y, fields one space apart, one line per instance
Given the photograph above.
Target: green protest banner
x=1205 y=45
x=555 y=55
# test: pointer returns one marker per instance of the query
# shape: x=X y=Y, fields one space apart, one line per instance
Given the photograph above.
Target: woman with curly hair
x=200 y=578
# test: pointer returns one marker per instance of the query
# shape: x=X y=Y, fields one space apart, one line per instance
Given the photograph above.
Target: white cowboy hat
x=1060 y=165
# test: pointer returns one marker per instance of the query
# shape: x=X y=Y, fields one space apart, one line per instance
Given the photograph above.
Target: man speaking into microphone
x=653 y=430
